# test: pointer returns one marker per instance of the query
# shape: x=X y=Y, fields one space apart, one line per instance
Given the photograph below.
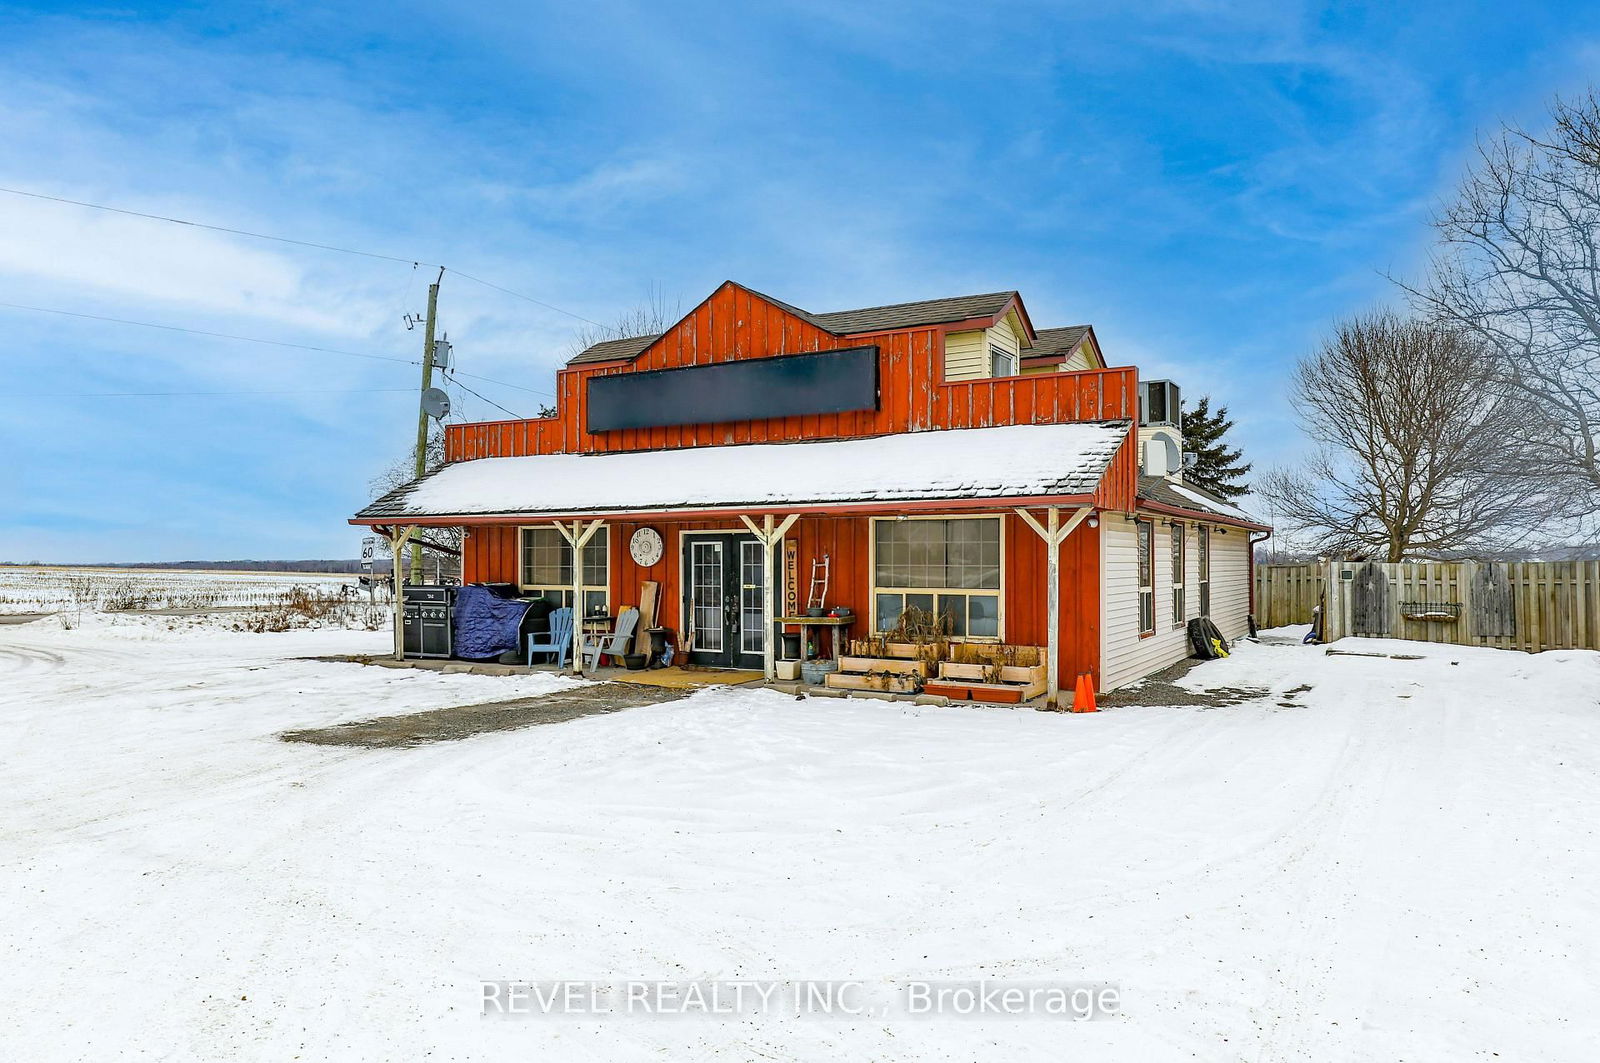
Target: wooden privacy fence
x=1513 y=605
x=1286 y=594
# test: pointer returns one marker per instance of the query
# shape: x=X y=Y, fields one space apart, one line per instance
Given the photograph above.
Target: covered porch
x=991 y=531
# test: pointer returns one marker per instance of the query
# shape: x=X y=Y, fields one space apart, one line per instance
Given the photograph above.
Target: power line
x=299 y=243
x=214 y=228
x=169 y=394
x=504 y=384
x=535 y=302
x=213 y=335
x=452 y=378
x=257 y=339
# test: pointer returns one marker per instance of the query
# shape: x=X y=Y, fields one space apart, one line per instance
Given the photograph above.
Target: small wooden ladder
x=819 y=583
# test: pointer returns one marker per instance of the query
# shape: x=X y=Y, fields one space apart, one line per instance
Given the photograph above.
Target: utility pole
x=422 y=415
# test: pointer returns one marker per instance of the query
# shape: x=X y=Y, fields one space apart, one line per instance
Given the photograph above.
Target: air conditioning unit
x=1159 y=403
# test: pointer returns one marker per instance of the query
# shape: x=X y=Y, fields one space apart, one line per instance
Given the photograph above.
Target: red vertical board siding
x=736 y=324
x=491 y=556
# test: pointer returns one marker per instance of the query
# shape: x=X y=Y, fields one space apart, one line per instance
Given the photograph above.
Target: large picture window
x=947 y=566
x=1145 y=534
x=547 y=568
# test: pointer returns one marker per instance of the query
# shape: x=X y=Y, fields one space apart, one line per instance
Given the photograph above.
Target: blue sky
x=1209 y=184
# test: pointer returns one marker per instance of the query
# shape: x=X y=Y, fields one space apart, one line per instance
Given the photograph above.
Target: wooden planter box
x=897 y=666
x=904 y=651
x=995 y=693
x=894 y=684
x=1027 y=675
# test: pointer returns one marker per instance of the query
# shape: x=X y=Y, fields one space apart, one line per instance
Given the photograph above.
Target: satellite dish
x=435 y=403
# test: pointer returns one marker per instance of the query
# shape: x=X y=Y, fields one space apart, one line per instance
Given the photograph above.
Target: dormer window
x=1002 y=362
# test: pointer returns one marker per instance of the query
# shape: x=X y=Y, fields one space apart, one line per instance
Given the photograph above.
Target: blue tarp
x=487 y=625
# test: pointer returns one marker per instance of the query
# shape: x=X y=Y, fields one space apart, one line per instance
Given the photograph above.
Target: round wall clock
x=646 y=547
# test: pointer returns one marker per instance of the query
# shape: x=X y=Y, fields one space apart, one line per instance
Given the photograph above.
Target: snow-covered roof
x=1172 y=492
x=1006 y=462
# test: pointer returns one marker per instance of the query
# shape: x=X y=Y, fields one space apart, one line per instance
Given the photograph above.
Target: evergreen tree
x=1217 y=468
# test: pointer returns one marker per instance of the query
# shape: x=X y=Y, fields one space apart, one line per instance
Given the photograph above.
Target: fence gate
x=1369 y=600
x=1494 y=613
x=1287 y=594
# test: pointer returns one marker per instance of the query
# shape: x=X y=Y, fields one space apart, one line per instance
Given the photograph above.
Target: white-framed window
x=948 y=566
x=1203 y=559
x=1144 y=533
x=1178 y=560
x=547 y=568
x=1002 y=362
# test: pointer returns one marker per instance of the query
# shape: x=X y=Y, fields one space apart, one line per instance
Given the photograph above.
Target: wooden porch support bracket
x=769 y=537
x=577 y=536
x=1054 y=533
x=397 y=537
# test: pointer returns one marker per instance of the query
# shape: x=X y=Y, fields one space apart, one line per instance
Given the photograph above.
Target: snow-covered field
x=1400 y=865
x=25 y=589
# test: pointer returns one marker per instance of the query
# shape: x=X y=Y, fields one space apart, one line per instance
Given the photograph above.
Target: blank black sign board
x=755 y=389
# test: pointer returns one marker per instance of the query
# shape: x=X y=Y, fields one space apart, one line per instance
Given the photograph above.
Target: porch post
x=1052 y=607
x=1054 y=533
x=769 y=537
x=577 y=537
x=397 y=544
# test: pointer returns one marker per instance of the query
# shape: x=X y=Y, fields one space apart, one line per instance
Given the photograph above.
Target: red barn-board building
x=943 y=456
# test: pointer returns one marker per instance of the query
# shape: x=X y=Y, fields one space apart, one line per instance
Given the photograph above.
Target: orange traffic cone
x=1077 y=694
x=1083 y=701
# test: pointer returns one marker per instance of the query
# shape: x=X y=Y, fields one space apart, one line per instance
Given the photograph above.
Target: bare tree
x=651 y=317
x=1411 y=423
x=1518 y=264
x=402 y=471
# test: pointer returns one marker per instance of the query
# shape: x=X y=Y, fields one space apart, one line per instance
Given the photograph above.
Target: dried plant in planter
x=926 y=630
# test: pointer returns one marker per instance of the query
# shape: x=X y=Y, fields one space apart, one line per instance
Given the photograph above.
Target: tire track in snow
x=28 y=661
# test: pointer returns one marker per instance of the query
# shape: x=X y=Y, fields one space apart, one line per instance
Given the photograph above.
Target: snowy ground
x=1402 y=864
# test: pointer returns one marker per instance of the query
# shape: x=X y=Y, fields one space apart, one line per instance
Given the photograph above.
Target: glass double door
x=723 y=577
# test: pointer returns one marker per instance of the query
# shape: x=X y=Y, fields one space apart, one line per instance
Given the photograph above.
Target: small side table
x=834 y=623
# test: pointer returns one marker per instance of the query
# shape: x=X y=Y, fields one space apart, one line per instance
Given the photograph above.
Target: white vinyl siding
x=1006 y=338
x=1078 y=360
x=1081 y=358
x=1125 y=657
x=966 y=355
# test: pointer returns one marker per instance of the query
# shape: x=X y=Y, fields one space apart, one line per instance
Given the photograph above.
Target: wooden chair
x=557 y=641
x=613 y=643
